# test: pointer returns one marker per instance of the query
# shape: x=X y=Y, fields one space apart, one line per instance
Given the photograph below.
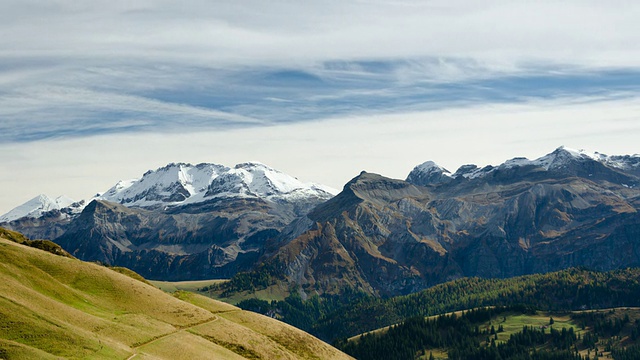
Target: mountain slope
x=181 y=221
x=40 y=205
x=170 y=188
x=565 y=290
x=380 y=235
x=391 y=237
x=210 y=242
x=53 y=306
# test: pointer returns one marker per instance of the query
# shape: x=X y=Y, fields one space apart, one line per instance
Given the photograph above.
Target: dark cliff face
x=390 y=237
x=48 y=226
x=180 y=221
x=207 y=240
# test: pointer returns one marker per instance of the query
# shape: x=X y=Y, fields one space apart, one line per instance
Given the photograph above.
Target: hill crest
x=53 y=306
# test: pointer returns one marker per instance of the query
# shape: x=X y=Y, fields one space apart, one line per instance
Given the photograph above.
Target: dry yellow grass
x=206 y=303
x=173 y=347
x=14 y=350
x=299 y=343
x=55 y=307
x=74 y=309
x=257 y=335
x=241 y=340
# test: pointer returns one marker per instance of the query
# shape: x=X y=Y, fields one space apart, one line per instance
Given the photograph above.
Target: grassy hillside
x=216 y=288
x=58 y=307
x=45 y=245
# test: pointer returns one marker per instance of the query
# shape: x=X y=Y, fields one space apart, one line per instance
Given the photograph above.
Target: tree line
x=334 y=316
x=461 y=337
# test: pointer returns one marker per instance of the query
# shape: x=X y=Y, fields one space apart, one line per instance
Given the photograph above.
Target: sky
x=95 y=92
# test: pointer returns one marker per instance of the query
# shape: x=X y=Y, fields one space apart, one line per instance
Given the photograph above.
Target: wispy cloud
x=65 y=101
x=71 y=70
x=281 y=32
x=54 y=111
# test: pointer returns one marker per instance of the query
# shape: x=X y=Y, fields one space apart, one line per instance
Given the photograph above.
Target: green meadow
x=55 y=307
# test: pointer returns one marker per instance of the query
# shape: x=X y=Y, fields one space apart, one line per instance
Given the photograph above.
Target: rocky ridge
x=383 y=236
x=390 y=237
x=181 y=221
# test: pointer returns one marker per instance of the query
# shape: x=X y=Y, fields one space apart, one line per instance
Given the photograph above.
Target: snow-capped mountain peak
x=558 y=160
x=623 y=162
x=117 y=188
x=255 y=179
x=562 y=156
x=38 y=206
x=431 y=167
x=181 y=184
x=429 y=173
x=173 y=183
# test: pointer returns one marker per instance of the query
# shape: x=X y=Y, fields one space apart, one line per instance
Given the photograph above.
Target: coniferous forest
x=468 y=336
x=333 y=317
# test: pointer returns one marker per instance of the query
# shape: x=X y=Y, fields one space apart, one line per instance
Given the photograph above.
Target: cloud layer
x=254 y=32
x=80 y=73
x=75 y=69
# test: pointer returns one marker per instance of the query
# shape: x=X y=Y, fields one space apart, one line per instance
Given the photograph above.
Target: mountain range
x=178 y=222
x=389 y=237
x=379 y=235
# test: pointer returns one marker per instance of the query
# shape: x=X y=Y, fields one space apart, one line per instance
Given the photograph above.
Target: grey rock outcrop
x=390 y=237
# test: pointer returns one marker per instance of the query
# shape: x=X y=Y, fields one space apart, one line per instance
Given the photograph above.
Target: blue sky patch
x=94 y=100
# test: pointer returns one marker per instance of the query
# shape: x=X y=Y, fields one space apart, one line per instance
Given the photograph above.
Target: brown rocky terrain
x=390 y=237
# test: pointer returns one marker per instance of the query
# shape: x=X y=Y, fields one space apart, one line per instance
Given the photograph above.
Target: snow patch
x=181 y=184
x=37 y=206
x=429 y=167
x=170 y=184
x=559 y=158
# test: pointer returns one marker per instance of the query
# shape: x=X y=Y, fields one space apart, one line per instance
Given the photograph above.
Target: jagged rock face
x=42 y=217
x=391 y=237
x=215 y=242
x=381 y=235
x=49 y=225
x=178 y=222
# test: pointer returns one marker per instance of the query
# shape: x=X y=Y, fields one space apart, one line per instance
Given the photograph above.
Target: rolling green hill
x=59 y=307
